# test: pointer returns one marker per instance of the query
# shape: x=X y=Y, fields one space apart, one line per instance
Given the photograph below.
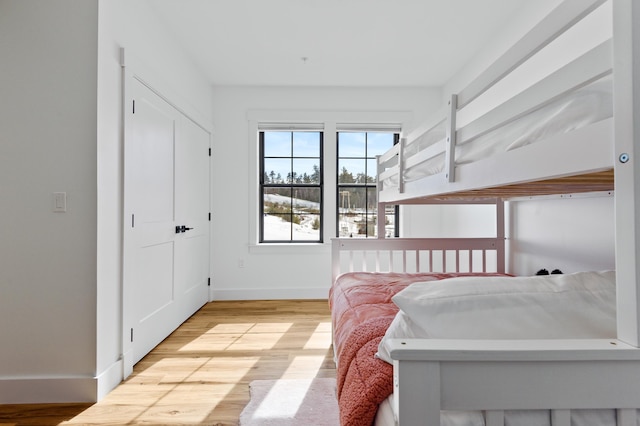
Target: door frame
x=134 y=70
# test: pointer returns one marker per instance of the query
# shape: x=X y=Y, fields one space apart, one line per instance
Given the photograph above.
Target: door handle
x=182 y=228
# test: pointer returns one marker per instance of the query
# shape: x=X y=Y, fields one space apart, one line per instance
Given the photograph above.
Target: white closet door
x=192 y=211
x=166 y=193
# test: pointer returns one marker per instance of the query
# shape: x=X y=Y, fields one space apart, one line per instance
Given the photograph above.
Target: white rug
x=300 y=402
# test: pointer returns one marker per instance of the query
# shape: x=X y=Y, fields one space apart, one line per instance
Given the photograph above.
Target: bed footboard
x=497 y=375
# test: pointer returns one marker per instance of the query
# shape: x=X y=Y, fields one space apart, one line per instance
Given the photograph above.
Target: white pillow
x=570 y=306
x=402 y=327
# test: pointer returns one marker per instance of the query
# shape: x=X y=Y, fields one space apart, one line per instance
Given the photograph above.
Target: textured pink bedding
x=361 y=312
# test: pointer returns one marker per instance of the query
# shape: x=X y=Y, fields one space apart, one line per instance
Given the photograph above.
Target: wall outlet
x=240 y=263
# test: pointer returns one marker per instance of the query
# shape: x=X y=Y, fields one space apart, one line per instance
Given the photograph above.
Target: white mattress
x=387 y=417
x=578 y=109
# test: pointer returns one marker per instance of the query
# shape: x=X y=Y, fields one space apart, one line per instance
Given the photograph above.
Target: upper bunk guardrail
x=563 y=17
x=580 y=72
x=586 y=69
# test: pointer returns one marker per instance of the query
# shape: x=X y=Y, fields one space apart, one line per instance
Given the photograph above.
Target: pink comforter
x=361 y=311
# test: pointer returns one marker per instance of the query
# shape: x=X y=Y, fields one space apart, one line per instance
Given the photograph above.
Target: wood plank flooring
x=200 y=374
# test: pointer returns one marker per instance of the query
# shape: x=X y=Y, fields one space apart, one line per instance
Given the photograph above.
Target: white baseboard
x=47 y=390
x=43 y=390
x=127 y=363
x=269 y=294
x=109 y=379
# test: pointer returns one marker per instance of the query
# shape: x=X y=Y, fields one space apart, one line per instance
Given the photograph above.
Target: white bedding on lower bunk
x=575 y=110
x=581 y=305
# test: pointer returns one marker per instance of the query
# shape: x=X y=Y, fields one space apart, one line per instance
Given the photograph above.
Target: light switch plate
x=60 y=202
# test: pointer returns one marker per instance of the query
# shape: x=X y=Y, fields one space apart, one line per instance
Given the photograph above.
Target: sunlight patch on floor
x=126 y=414
x=224 y=370
x=238 y=337
x=303 y=367
x=209 y=395
x=210 y=342
x=168 y=370
x=231 y=328
x=271 y=327
x=324 y=327
x=320 y=338
x=281 y=401
x=256 y=341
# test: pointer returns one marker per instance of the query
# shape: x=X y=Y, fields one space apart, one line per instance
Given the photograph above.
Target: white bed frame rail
x=497 y=375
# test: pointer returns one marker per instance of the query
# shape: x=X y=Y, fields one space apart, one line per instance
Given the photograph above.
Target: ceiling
x=397 y=43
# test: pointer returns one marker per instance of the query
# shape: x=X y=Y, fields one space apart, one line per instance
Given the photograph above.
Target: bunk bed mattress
x=361 y=312
x=573 y=111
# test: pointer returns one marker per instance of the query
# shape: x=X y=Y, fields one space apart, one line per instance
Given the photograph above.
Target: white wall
x=567 y=233
x=448 y=221
x=279 y=272
x=48 y=100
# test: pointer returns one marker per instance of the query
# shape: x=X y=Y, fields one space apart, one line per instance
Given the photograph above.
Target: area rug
x=299 y=402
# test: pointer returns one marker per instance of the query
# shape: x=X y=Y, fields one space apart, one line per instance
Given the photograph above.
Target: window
x=295 y=193
x=357 y=203
x=290 y=186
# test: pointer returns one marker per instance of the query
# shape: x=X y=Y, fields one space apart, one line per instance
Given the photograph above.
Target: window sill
x=293 y=248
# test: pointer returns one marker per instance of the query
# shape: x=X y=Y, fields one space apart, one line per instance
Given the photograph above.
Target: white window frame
x=329 y=122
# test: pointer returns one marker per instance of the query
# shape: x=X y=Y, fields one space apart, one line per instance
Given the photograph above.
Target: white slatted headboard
x=417 y=255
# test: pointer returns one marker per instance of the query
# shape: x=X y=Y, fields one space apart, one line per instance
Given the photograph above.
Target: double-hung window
x=357 y=201
x=317 y=180
x=291 y=186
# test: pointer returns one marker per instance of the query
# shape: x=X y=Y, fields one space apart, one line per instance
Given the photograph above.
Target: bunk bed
x=586 y=378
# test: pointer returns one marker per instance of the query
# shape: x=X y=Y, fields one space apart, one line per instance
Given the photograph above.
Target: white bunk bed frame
x=558 y=375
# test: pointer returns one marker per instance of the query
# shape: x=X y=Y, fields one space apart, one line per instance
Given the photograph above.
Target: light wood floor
x=200 y=374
